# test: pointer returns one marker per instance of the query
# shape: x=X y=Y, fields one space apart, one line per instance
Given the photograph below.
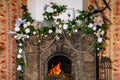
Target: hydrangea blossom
x=90 y=25
x=49 y=9
x=17 y=29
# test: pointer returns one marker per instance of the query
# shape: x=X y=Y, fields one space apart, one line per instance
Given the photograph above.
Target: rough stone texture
x=78 y=48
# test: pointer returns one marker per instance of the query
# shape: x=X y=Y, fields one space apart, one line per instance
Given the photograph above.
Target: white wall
x=35 y=7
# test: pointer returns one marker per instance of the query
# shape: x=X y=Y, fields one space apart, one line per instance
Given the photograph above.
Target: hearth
x=74 y=57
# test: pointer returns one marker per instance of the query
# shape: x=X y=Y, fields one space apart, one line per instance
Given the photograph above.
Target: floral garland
x=87 y=22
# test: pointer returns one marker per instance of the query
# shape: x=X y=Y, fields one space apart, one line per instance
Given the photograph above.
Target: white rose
x=27 y=30
x=20 y=44
x=24 y=25
x=65 y=26
x=20 y=50
x=34 y=32
x=98 y=48
x=90 y=25
x=50 y=31
x=27 y=36
x=76 y=30
x=49 y=9
x=19 y=68
x=17 y=29
x=100 y=40
x=94 y=28
x=19 y=56
x=28 y=23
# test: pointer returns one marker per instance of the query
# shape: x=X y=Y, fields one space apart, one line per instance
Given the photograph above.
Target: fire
x=55 y=70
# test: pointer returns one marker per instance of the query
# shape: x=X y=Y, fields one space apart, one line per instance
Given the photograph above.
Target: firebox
x=59 y=67
x=70 y=58
x=63 y=62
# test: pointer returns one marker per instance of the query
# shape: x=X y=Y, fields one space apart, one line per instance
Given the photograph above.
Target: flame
x=55 y=70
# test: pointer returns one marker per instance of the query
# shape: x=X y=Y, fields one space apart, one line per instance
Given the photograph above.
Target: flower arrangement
x=87 y=22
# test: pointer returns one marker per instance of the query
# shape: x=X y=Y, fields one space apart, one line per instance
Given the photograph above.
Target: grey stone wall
x=78 y=48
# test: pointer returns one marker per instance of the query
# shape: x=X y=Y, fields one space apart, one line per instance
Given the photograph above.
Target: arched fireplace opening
x=59 y=67
x=62 y=61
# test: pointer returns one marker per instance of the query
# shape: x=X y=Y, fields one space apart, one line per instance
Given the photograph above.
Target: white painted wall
x=35 y=7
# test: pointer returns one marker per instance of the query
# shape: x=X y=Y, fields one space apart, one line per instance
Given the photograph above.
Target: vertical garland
x=113 y=42
x=10 y=10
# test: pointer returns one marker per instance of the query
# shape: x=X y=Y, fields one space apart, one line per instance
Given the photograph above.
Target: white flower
x=45 y=17
x=39 y=41
x=19 y=68
x=34 y=32
x=55 y=10
x=100 y=39
x=98 y=48
x=90 y=25
x=94 y=28
x=27 y=30
x=25 y=25
x=99 y=30
x=20 y=44
x=60 y=26
x=58 y=30
x=28 y=23
x=17 y=29
x=102 y=32
x=49 y=9
x=15 y=36
x=20 y=50
x=46 y=35
x=69 y=34
x=65 y=26
x=50 y=31
x=27 y=36
x=76 y=30
x=19 y=56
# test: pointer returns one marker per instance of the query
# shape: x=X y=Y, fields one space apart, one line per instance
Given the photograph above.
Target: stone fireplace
x=75 y=53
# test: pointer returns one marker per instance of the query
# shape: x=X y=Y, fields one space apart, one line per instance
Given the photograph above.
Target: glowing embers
x=55 y=70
